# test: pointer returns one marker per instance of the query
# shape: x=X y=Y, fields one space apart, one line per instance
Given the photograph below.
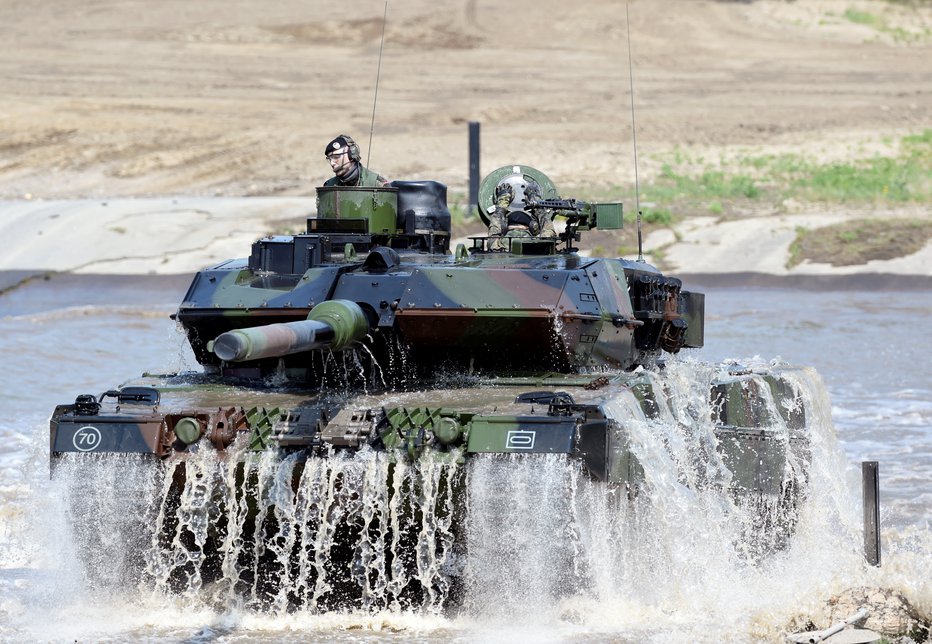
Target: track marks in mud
x=23 y=143
x=208 y=98
x=423 y=32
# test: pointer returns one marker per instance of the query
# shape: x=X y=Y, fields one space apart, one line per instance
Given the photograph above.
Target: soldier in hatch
x=343 y=155
x=509 y=215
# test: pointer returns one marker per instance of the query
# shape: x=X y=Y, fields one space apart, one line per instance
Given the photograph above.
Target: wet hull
x=281 y=517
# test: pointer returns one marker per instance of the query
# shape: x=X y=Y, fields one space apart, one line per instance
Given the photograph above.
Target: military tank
x=354 y=372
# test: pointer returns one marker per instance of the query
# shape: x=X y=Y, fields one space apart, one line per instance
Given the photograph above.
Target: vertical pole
x=870 y=483
x=473 y=165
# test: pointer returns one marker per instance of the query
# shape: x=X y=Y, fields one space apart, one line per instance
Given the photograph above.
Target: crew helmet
x=343 y=141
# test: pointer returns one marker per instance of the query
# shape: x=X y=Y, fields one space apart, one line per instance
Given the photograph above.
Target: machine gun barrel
x=334 y=324
x=570 y=205
x=606 y=216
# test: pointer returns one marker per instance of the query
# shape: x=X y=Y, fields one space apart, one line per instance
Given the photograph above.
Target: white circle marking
x=86 y=439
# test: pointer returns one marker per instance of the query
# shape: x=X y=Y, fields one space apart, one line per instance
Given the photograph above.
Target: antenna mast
x=378 y=74
x=634 y=137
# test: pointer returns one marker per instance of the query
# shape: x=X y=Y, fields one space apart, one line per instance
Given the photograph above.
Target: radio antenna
x=378 y=74
x=634 y=137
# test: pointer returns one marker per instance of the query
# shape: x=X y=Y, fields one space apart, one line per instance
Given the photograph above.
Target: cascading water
x=523 y=548
x=502 y=540
x=105 y=519
x=329 y=533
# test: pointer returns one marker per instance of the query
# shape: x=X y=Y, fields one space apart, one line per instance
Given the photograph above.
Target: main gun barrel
x=334 y=324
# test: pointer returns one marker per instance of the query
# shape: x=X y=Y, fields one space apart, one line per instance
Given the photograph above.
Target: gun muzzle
x=334 y=324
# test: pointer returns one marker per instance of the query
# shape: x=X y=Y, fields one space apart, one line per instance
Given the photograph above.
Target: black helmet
x=343 y=141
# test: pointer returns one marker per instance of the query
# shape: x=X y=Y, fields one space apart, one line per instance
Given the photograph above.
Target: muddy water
x=662 y=572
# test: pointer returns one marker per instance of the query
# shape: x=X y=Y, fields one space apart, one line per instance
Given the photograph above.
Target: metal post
x=473 y=164
x=870 y=483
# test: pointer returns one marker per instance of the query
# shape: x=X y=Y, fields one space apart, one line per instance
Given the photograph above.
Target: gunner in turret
x=510 y=216
x=343 y=155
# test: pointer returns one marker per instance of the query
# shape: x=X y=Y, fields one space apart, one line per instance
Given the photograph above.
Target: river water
x=72 y=335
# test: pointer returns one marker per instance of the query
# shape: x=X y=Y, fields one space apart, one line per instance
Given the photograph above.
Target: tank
x=353 y=373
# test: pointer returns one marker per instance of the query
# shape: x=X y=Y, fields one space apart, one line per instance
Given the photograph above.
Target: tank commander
x=510 y=217
x=343 y=155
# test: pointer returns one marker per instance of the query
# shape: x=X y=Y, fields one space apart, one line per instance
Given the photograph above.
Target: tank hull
x=362 y=501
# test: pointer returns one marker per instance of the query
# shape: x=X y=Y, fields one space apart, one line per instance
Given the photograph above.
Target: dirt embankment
x=212 y=98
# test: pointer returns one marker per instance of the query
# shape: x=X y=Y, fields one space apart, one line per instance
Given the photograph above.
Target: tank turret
x=536 y=306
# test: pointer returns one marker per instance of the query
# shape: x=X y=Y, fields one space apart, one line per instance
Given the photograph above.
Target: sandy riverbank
x=164 y=145
x=164 y=236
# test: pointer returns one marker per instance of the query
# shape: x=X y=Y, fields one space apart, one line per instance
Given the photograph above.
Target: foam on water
x=581 y=563
x=110 y=550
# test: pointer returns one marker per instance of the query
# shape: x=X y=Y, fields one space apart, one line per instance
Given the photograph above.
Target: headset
x=353 y=147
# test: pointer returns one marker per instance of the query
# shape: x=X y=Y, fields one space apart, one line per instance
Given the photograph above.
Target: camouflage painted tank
x=365 y=345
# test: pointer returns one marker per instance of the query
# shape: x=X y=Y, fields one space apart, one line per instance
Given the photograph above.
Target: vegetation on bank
x=688 y=185
x=693 y=185
x=900 y=22
x=732 y=188
x=860 y=241
x=881 y=24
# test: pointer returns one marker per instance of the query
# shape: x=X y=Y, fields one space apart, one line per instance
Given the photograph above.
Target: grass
x=861 y=17
x=919 y=139
x=905 y=178
x=709 y=184
x=696 y=186
x=873 y=180
x=651 y=215
x=860 y=241
x=881 y=25
x=766 y=181
x=796 y=248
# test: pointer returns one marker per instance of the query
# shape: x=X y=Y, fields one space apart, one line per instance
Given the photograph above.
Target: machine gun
x=579 y=215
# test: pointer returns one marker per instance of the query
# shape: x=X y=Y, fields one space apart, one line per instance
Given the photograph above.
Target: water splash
x=275 y=534
x=522 y=541
x=519 y=546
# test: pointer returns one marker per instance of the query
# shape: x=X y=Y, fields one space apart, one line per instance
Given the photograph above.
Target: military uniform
x=541 y=221
x=359 y=176
x=366 y=178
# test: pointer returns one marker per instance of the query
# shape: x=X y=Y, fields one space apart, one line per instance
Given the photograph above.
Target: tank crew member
x=343 y=155
x=505 y=218
x=543 y=217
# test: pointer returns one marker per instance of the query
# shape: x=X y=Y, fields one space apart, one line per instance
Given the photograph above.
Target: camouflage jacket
x=498 y=222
